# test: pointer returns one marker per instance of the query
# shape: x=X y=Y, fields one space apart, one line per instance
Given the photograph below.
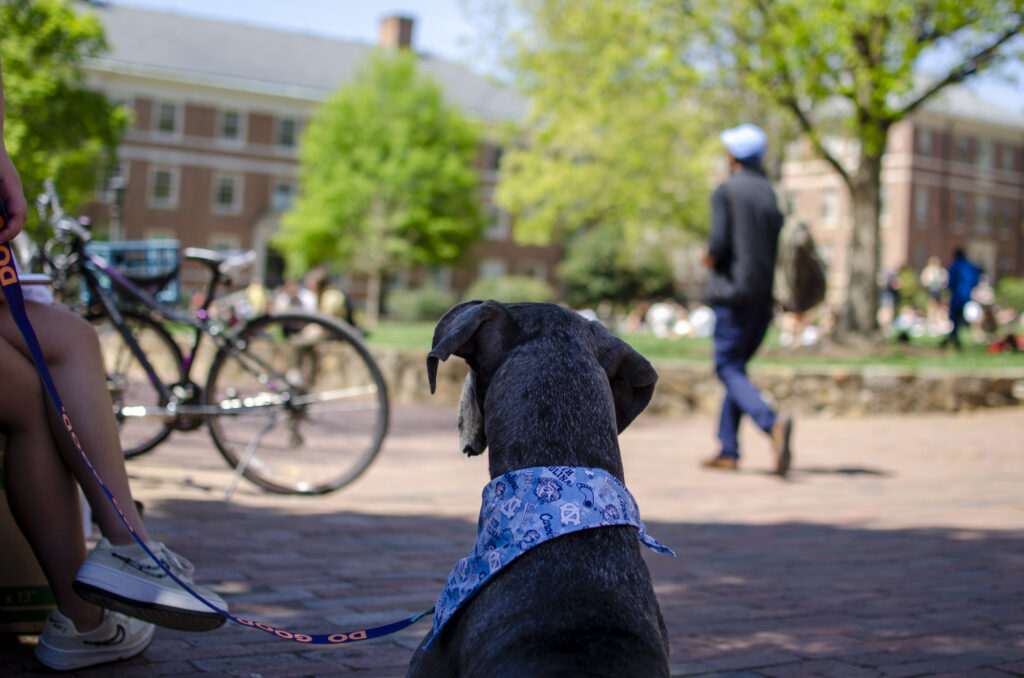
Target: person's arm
x=10 y=184
x=718 y=240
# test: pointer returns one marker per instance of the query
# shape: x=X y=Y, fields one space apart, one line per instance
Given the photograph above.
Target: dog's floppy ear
x=631 y=377
x=473 y=330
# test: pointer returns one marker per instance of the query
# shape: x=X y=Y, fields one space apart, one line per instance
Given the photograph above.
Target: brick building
x=952 y=176
x=219 y=108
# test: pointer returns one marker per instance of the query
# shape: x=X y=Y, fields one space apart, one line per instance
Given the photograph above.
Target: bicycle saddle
x=222 y=262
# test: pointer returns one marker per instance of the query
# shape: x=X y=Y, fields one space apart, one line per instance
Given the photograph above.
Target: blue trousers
x=739 y=331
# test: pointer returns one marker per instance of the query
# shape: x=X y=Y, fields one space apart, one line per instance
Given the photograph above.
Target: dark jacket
x=744 y=240
x=963 y=278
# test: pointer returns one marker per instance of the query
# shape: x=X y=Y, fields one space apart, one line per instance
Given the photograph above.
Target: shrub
x=510 y=289
x=1010 y=293
x=420 y=304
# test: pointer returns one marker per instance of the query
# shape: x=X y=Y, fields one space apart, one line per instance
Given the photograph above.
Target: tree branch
x=969 y=67
x=807 y=126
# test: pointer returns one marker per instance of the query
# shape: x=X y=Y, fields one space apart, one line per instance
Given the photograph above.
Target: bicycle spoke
x=329 y=397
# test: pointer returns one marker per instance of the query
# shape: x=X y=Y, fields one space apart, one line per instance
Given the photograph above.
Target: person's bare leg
x=72 y=351
x=41 y=493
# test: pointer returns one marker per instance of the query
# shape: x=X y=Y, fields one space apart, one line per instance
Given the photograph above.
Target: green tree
x=807 y=55
x=598 y=267
x=618 y=134
x=56 y=126
x=388 y=178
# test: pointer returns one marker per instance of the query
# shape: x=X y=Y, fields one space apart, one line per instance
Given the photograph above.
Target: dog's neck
x=516 y=443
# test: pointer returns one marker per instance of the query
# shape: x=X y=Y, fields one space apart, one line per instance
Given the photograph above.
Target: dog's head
x=485 y=333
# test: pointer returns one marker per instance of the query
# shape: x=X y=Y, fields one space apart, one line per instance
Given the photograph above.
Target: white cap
x=745 y=142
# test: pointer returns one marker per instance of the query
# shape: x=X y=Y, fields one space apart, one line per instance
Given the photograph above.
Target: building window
x=984 y=155
x=830 y=207
x=1005 y=266
x=287 y=130
x=962 y=151
x=883 y=205
x=492 y=268
x=959 y=212
x=282 y=195
x=923 y=141
x=922 y=206
x=1005 y=218
x=166 y=120
x=230 y=126
x=982 y=215
x=492 y=158
x=1006 y=154
x=227 y=193
x=534 y=269
x=499 y=223
x=163 y=187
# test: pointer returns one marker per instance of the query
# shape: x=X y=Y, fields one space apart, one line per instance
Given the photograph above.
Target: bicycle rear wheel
x=130 y=386
x=304 y=406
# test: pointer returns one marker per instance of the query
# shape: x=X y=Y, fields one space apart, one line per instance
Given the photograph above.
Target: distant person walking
x=962 y=277
x=745 y=226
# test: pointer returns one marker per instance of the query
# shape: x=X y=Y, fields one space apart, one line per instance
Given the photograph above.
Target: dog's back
x=553 y=389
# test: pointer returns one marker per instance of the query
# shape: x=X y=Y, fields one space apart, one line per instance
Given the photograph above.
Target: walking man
x=745 y=226
x=962 y=278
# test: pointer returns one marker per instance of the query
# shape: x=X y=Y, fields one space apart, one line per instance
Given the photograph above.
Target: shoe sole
x=154 y=613
x=68 y=660
x=785 y=455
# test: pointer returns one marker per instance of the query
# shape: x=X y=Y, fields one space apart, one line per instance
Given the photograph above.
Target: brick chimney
x=395 y=32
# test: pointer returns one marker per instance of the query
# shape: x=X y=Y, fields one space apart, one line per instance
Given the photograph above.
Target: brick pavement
x=896 y=548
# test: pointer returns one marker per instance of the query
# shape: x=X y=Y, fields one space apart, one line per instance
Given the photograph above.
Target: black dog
x=548 y=389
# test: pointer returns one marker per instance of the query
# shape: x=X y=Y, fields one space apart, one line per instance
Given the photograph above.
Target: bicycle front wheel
x=131 y=389
x=302 y=405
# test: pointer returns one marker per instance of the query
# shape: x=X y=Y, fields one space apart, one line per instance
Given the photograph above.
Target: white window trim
x=830 y=198
x=983 y=205
x=278 y=124
x=172 y=200
x=236 y=206
x=922 y=206
x=243 y=127
x=179 y=119
x=273 y=192
x=959 y=220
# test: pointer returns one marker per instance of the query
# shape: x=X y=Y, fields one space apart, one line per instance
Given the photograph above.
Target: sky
x=441 y=28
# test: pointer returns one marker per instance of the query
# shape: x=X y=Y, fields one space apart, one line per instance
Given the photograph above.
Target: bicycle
x=293 y=401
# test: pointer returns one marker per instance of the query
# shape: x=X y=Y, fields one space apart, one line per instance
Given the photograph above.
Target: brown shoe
x=782 y=431
x=722 y=463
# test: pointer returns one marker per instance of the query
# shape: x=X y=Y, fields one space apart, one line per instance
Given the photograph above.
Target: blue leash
x=16 y=302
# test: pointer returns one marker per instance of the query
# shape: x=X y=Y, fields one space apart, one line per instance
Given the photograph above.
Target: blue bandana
x=526 y=507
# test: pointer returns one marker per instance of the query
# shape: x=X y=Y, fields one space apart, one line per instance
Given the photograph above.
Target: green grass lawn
x=923 y=353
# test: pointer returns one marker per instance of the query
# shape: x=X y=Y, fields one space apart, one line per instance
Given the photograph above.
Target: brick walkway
x=896 y=548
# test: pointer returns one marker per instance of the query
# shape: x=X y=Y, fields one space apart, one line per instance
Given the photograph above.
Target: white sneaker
x=117 y=638
x=125 y=578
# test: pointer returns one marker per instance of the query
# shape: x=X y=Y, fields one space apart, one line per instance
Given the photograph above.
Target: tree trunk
x=373 y=288
x=860 y=318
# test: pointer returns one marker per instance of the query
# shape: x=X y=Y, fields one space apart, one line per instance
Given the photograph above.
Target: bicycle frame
x=89 y=265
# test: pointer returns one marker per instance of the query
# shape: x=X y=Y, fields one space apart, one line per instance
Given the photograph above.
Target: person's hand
x=13 y=196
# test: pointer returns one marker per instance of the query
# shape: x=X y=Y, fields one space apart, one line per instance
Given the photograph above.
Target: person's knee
x=71 y=337
x=728 y=369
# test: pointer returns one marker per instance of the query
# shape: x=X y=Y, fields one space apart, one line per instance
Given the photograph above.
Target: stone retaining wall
x=693 y=387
